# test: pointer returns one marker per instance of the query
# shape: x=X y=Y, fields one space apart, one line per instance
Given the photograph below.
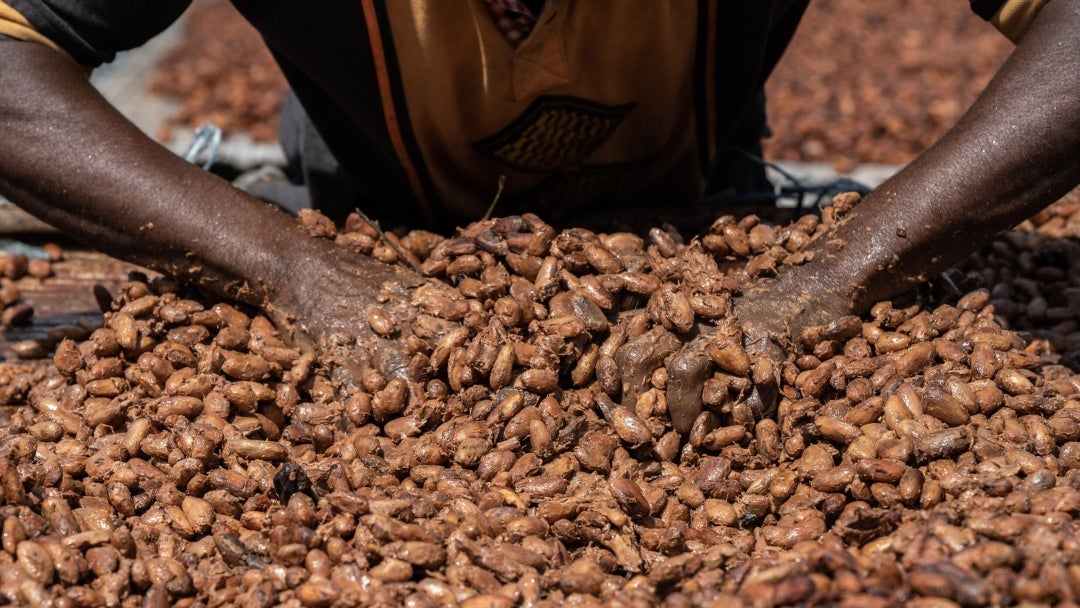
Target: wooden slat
x=67 y=298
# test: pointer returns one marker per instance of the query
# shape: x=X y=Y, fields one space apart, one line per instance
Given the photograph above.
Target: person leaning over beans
x=412 y=111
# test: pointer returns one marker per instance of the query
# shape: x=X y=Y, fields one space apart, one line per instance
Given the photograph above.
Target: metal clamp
x=208 y=138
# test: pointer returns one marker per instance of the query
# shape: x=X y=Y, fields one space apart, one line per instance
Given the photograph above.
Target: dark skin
x=74 y=161
x=1015 y=151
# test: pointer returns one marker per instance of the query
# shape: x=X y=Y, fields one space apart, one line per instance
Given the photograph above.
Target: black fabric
x=750 y=38
x=333 y=76
x=986 y=8
x=435 y=216
x=735 y=170
x=536 y=6
x=93 y=31
x=312 y=164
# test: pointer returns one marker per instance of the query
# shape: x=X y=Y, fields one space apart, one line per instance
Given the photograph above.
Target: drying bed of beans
x=184 y=455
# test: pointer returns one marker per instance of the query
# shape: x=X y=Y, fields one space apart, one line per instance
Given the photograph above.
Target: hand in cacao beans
x=339 y=304
x=747 y=352
x=767 y=321
x=687 y=373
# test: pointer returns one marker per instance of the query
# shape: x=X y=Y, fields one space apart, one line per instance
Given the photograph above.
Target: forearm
x=1014 y=152
x=71 y=159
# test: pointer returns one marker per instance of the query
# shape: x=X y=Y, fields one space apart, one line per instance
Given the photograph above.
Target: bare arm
x=1014 y=152
x=71 y=159
x=74 y=161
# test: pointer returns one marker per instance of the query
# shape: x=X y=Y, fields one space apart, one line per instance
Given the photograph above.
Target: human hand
x=742 y=353
x=746 y=358
x=750 y=347
x=333 y=300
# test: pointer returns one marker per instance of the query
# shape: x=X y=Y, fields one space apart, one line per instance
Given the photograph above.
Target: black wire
x=794 y=187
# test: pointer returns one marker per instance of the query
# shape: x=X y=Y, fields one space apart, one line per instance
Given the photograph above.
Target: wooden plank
x=65 y=299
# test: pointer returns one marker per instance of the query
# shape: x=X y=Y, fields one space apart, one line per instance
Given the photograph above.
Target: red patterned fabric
x=513 y=18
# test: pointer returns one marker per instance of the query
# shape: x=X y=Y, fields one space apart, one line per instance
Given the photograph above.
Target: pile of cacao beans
x=185 y=455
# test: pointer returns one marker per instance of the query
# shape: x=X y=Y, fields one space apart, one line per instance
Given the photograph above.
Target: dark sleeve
x=93 y=31
x=986 y=8
x=1010 y=17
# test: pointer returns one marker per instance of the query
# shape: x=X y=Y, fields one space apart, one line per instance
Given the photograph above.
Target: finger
x=766 y=356
x=759 y=342
x=841 y=330
x=292 y=333
x=390 y=359
x=687 y=373
x=346 y=362
x=349 y=363
x=762 y=402
x=640 y=357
